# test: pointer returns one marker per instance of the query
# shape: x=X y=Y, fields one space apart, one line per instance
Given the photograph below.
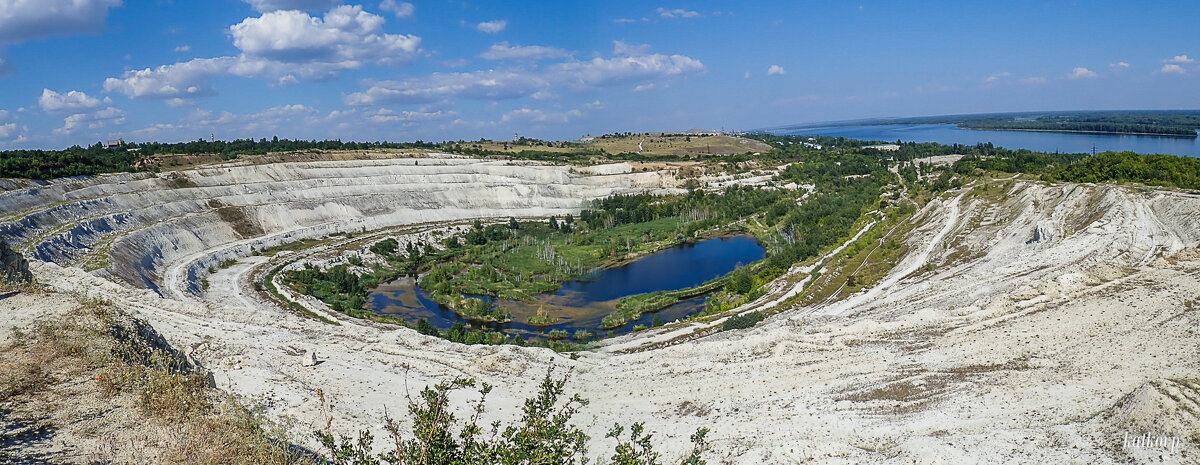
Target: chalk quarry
x=1048 y=324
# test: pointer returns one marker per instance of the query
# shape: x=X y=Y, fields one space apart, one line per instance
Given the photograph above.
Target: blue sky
x=79 y=71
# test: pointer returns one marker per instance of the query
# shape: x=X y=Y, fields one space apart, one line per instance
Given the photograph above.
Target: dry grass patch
x=94 y=385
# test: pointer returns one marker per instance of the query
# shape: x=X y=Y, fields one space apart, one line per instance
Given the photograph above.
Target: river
x=1038 y=141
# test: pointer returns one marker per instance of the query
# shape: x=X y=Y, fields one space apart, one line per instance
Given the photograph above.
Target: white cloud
x=514 y=83
x=183 y=48
x=1172 y=68
x=644 y=87
x=996 y=77
x=400 y=9
x=1081 y=73
x=347 y=36
x=70 y=102
x=596 y=105
x=1120 y=65
x=1181 y=60
x=624 y=49
x=539 y=116
x=22 y=20
x=776 y=70
x=676 y=13
x=504 y=51
x=279 y=46
x=492 y=27
x=274 y=5
x=108 y=116
x=385 y=115
x=1033 y=80
x=8 y=131
x=180 y=80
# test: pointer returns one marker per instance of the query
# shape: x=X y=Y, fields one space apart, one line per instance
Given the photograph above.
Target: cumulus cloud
x=275 y=5
x=676 y=13
x=1081 y=73
x=22 y=20
x=108 y=116
x=281 y=46
x=644 y=87
x=8 y=131
x=400 y=9
x=1172 y=68
x=183 y=48
x=1119 y=65
x=346 y=35
x=492 y=27
x=504 y=51
x=514 y=83
x=1181 y=60
x=70 y=102
x=776 y=70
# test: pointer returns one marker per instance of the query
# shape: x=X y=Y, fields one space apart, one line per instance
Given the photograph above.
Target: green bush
x=543 y=435
x=742 y=321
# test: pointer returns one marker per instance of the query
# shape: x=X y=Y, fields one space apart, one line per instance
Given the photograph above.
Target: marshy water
x=580 y=305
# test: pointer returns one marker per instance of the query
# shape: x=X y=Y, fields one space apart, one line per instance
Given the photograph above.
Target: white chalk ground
x=1053 y=351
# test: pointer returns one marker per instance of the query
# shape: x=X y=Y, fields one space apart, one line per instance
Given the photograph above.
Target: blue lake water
x=947 y=134
x=582 y=304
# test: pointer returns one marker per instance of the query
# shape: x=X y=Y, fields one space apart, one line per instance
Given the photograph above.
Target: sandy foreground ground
x=983 y=346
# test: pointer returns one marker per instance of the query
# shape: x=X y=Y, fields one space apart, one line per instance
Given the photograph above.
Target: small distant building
x=516 y=138
x=112 y=144
x=884 y=147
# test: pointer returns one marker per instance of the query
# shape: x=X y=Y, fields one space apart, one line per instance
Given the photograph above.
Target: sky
x=82 y=71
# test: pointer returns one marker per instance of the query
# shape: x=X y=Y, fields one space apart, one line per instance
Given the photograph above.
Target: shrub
x=543 y=435
x=742 y=321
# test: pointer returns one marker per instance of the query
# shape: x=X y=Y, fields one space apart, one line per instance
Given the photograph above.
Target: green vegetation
x=98 y=158
x=633 y=307
x=543 y=435
x=1183 y=124
x=1155 y=170
x=742 y=321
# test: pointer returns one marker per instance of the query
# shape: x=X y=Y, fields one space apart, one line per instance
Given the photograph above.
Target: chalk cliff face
x=136 y=228
x=979 y=345
x=13 y=267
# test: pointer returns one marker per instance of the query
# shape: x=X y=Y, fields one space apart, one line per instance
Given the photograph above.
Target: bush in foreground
x=544 y=434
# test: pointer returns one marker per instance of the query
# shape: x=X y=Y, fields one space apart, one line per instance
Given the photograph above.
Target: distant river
x=1039 y=141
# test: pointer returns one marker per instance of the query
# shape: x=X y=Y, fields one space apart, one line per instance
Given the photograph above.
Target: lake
x=1051 y=142
x=582 y=304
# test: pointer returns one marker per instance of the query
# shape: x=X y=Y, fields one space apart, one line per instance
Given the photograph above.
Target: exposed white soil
x=981 y=346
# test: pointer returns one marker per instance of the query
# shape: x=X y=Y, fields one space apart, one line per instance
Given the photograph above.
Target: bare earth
x=981 y=346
